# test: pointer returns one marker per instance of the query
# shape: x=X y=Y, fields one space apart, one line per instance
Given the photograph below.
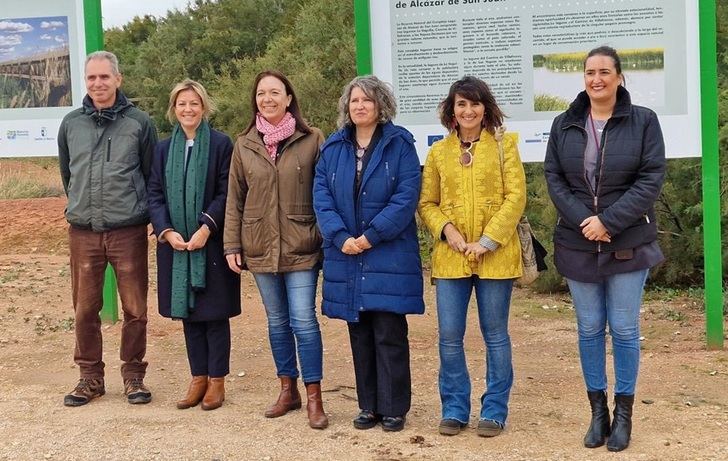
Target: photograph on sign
x=556 y=75
x=42 y=51
x=531 y=54
x=34 y=62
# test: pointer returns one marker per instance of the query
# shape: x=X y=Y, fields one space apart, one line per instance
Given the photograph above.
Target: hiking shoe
x=449 y=426
x=136 y=391
x=489 y=428
x=85 y=390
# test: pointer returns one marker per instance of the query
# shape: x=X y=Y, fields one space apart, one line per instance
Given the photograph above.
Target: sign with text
x=42 y=50
x=531 y=54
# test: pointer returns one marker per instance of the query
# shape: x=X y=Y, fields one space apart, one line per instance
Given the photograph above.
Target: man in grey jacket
x=105 y=152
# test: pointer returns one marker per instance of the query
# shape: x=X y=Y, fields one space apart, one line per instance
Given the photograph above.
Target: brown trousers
x=126 y=250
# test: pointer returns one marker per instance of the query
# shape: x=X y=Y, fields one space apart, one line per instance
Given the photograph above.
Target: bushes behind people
x=225 y=43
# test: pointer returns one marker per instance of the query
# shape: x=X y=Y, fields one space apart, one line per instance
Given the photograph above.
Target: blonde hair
x=208 y=105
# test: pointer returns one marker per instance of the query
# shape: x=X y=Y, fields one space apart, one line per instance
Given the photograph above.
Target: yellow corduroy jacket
x=477 y=202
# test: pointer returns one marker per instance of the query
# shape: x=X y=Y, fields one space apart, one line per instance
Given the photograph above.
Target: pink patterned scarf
x=273 y=134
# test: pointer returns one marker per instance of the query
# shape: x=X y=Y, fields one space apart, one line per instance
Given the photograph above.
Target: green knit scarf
x=185 y=197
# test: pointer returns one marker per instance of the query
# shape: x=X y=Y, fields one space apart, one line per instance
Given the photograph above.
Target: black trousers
x=208 y=347
x=380 y=350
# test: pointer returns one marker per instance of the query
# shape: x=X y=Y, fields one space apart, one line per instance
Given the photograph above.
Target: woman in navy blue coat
x=187 y=193
x=605 y=165
x=365 y=194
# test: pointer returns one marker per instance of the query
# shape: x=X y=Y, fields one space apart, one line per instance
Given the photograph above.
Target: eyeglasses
x=466 y=153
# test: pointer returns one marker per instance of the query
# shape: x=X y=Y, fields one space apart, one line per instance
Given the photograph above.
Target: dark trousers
x=380 y=350
x=126 y=250
x=208 y=347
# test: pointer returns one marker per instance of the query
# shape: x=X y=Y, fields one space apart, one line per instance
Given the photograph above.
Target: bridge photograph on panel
x=34 y=62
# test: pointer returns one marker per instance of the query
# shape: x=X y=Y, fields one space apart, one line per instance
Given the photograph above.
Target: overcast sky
x=118 y=12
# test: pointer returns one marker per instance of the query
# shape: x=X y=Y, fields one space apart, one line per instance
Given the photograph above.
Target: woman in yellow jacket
x=472 y=202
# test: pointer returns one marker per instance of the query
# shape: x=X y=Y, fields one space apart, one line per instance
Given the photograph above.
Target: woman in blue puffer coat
x=365 y=194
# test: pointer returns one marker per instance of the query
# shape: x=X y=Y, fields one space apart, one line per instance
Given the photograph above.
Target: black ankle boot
x=622 y=423
x=599 y=427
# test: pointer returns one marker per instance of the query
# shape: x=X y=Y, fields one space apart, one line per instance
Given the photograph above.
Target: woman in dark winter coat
x=187 y=192
x=605 y=164
x=365 y=194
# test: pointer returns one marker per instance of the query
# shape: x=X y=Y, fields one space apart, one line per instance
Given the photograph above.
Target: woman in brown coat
x=270 y=229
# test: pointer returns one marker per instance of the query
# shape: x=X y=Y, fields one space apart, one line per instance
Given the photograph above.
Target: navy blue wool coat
x=387 y=277
x=221 y=298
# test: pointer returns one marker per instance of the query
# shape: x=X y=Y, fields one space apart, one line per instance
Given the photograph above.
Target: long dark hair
x=293 y=108
x=476 y=90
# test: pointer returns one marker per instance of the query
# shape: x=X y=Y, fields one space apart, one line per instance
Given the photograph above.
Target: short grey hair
x=109 y=56
x=381 y=92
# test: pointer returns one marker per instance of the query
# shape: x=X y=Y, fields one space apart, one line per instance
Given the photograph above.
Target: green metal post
x=110 y=311
x=95 y=42
x=711 y=176
x=363 y=33
x=93 y=27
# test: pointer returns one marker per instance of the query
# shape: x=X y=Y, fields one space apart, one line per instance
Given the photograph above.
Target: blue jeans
x=494 y=298
x=290 y=304
x=616 y=301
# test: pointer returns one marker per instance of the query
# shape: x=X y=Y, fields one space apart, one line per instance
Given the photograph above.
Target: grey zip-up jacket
x=105 y=158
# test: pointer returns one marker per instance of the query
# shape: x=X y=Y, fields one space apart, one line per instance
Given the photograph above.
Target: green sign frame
x=714 y=307
x=712 y=246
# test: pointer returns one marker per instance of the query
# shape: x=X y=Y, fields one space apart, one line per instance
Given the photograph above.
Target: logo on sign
x=433 y=138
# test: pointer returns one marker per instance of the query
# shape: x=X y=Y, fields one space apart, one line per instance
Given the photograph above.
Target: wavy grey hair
x=109 y=56
x=379 y=91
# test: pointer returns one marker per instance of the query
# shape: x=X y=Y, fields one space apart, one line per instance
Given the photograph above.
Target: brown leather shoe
x=215 y=394
x=195 y=393
x=289 y=399
x=317 y=418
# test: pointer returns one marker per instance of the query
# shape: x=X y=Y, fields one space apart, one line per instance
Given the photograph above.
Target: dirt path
x=681 y=414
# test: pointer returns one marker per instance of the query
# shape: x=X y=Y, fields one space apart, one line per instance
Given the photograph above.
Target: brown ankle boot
x=317 y=418
x=195 y=392
x=215 y=394
x=289 y=399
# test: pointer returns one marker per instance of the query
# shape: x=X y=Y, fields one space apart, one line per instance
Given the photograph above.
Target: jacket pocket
x=455 y=214
x=140 y=191
x=253 y=237
x=302 y=235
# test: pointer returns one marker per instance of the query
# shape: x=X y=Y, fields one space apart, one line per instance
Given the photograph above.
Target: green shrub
x=547 y=102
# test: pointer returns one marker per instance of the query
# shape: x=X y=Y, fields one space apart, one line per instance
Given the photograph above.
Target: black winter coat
x=221 y=298
x=630 y=173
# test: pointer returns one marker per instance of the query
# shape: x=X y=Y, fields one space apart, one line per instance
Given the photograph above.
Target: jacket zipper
x=108 y=149
x=595 y=193
x=599 y=183
x=386 y=169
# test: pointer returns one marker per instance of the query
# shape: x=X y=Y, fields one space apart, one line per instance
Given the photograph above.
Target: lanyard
x=594 y=132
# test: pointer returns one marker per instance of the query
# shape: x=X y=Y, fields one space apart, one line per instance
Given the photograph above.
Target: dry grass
x=30 y=178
